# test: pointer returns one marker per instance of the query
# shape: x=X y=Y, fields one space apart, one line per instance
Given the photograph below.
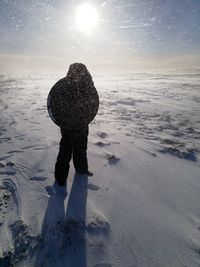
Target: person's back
x=73 y=101
x=78 y=88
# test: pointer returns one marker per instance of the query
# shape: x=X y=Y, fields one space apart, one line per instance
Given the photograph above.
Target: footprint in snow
x=10 y=164
x=7 y=168
x=112 y=159
x=93 y=187
x=102 y=135
x=102 y=144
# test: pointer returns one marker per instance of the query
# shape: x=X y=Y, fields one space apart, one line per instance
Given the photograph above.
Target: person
x=73 y=143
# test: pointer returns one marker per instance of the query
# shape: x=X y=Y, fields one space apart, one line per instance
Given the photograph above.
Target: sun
x=86 y=17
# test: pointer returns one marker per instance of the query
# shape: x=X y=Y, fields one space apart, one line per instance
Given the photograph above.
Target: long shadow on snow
x=74 y=225
x=63 y=240
x=49 y=248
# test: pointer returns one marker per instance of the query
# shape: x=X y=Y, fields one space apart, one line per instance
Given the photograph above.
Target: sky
x=128 y=34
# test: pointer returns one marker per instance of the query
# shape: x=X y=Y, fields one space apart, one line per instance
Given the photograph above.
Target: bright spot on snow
x=86 y=17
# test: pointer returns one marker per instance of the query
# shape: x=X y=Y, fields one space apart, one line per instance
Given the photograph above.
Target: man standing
x=72 y=105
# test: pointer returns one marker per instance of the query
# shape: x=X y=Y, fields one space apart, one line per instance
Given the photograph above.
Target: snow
x=141 y=207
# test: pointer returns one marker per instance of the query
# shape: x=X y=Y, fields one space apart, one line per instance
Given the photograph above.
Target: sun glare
x=86 y=17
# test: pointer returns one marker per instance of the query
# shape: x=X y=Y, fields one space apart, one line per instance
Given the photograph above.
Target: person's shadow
x=75 y=219
x=63 y=240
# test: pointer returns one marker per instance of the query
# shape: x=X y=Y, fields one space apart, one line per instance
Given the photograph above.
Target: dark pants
x=73 y=142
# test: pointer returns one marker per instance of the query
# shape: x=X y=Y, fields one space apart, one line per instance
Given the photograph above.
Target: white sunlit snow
x=141 y=207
